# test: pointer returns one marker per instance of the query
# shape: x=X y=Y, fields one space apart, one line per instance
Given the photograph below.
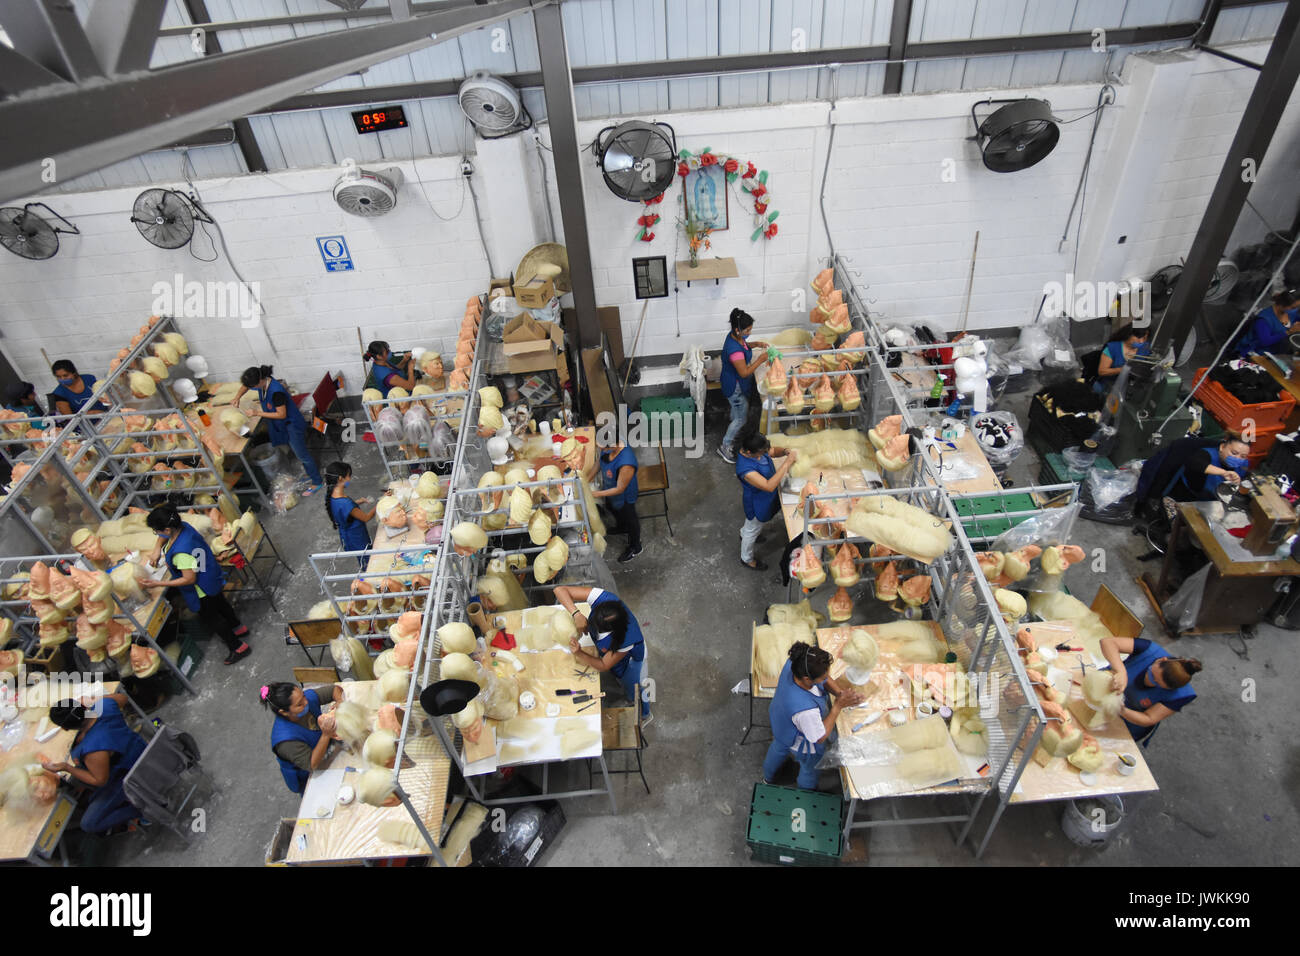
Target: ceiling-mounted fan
x=1015 y=136
x=27 y=234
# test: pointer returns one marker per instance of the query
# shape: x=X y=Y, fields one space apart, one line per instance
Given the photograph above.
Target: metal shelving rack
x=395 y=454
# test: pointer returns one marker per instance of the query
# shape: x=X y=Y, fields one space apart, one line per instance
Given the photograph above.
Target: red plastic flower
x=655 y=200
x=730 y=166
x=760 y=207
x=682 y=169
x=708 y=159
x=770 y=231
x=750 y=171
x=759 y=190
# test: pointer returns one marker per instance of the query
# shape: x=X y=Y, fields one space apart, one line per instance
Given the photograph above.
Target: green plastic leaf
x=731 y=177
x=757 y=232
x=762 y=177
x=684 y=154
x=771 y=216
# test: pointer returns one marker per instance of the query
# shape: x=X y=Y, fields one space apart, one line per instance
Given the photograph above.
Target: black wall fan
x=166 y=218
x=1016 y=136
x=27 y=234
x=638 y=160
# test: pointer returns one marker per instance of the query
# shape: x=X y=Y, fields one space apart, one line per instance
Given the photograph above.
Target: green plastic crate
x=671 y=416
x=777 y=835
x=982 y=516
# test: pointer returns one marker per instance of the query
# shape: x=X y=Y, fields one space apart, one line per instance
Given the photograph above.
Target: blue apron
x=208 y=573
x=77 y=401
x=110 y=733
x=730 y=378
x=1139 y=697
x=633 y=642
x=279 y=428
x=295 y=778
x=791 y=699
x=1212 y=482
x=610 y=467
x=380 y=376
x=759 y=504
x=352 y=533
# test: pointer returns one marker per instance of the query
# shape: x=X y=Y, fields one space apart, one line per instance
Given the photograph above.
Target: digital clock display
x=380 y=118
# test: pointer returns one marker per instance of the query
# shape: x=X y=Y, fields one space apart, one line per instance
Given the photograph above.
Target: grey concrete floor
x=1229 y=776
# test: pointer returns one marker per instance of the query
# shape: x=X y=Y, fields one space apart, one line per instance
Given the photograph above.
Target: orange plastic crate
x=1233 y=415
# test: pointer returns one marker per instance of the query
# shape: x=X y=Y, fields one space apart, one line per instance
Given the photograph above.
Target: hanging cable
x=478 y=218
x=830 y=144
x=1105 y=97
x=546 y=189
x=1250 y=314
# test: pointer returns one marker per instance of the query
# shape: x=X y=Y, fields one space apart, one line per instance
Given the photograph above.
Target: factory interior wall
x=905 y=193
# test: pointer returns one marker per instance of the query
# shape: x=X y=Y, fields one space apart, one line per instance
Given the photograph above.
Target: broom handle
x=970 y=281
x=635 y=342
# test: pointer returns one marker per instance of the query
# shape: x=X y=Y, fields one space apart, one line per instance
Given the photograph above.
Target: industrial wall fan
x=492 y=105
x=166 y=218
x=1016 y=136
x=369 y=193
x=1221 y=284
x=638 y=160
x=26 y=234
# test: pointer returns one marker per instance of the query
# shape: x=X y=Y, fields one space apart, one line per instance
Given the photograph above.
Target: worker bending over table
x=1192 y=469
x=803 y=717
x=620 y=647
x=284 y=422
x=1155 y=684
x=103 y=751
x=298 y=740
x=1270 y=331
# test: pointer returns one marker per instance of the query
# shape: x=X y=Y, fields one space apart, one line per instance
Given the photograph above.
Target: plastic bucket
x=1093 y=821
x=268 y=460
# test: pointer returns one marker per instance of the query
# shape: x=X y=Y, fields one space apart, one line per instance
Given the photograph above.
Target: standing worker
x=345 y=512
x=1155 y=685
x=103 y=751
x=738 y=385
x=803 y=717
x=761 y=479
x=74 y=390
x=198 y=577
x=617 y=463
x=283 y=420
x=297 y=739
x=620 y=647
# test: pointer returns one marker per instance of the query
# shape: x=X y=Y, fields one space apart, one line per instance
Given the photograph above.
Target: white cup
x=1126 y=765
x=545 y=428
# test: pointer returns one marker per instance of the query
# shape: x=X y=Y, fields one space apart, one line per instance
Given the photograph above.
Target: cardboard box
x=535 y=292
x=523 y=328
x=537 y=355
x=612 y=325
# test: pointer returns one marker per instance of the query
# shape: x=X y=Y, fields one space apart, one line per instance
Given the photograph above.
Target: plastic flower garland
x=752 y=181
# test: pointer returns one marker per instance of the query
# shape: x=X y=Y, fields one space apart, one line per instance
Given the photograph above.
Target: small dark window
x=651 y=277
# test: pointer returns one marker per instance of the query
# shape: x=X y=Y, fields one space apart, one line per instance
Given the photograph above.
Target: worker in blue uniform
x=1124 y=346
x=198 y=577
x=74 y=391
x=284 y=423
x=1270 y=330
x=297 y=740
x=345 y=512
x=620 y=646
x=802 y=714
x=619 y=491
x=103 y=751
x=387 y=371
x=1155 y=684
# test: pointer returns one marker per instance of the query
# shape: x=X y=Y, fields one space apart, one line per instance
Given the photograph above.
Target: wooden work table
x=1237 y=593
x=25 y=830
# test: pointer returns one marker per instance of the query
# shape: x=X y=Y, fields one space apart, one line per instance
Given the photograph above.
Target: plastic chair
x=620 y=730
x=323 y=420
x=653 y=480
x=164 y=779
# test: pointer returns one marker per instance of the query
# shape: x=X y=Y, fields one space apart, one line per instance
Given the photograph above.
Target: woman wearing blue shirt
x=74 y=389
x=803 y=716
x=620 y=647
x=384 y=374
x=1271 y=329
x=1155 y=685
x=299 y=743
x=1123 y=347
x=738 y=368
x=345 y=512
x=761 y=479
x=619 y=492
x=284 y=423
x=103 y=752
x=20 y=397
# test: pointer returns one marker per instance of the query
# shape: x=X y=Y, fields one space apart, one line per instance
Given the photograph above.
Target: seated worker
x=1155 y=685
x=20 y=397
x=1123 y=347
x=1192 y=469
x=74 y=390
x=103 y=751
x=1270 y=331
x=388 y=371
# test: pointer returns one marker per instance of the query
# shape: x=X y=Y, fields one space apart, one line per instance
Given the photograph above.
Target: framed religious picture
x=650 y=275
x=706 y=197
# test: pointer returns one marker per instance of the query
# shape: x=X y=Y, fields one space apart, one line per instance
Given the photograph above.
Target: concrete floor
x=1229 y=778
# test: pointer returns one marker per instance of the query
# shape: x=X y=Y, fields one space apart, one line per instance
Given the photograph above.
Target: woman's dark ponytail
x=611 y=617
x=376 y=349
x=808 y=662
x=740 y=319
x=278 y=696
x=68 y=714
x=335 y=472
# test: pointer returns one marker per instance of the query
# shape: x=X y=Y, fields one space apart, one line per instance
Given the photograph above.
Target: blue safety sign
x=334 y=252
